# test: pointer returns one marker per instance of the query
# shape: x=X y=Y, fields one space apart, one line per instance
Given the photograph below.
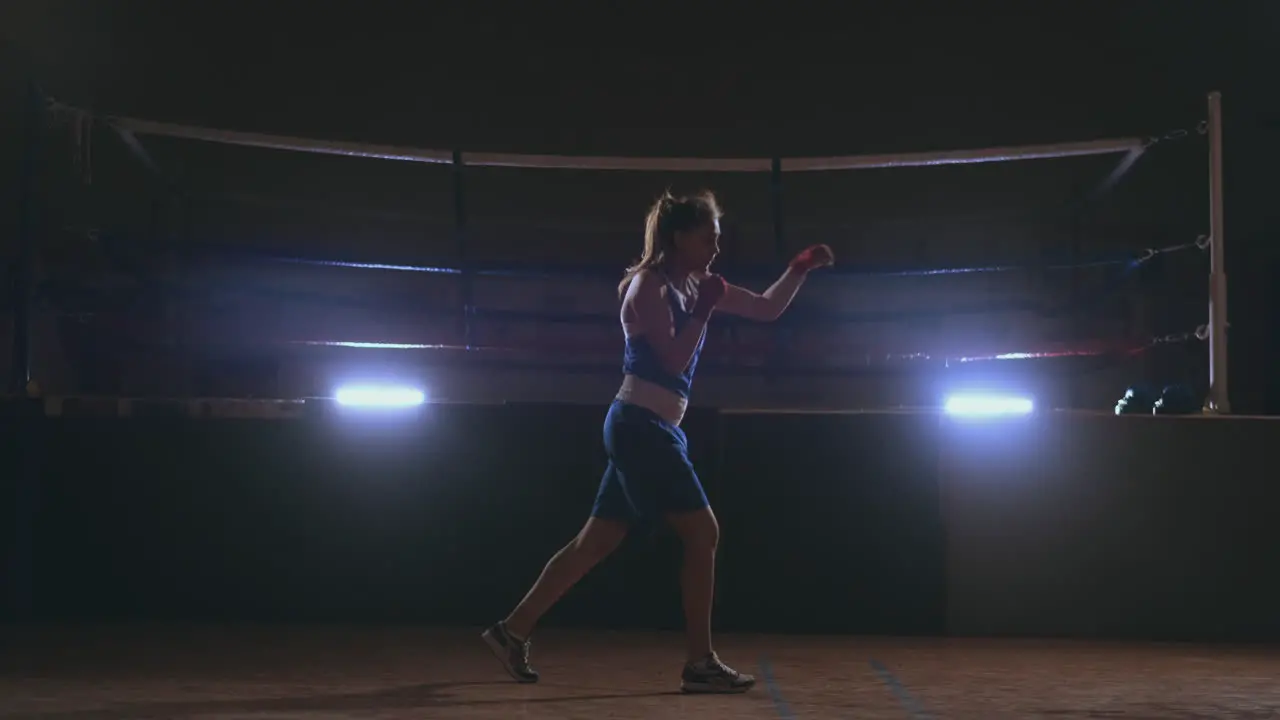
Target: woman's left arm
x=769 y=305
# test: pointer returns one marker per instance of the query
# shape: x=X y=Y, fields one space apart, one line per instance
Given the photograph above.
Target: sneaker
x=709 y=675
x=511 y=651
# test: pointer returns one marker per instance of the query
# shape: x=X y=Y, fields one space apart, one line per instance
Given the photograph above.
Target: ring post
x=1219 y=401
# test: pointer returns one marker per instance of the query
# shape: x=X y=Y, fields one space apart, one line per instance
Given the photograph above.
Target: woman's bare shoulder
x=647 y=280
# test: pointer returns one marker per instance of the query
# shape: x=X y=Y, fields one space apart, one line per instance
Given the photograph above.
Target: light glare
x=988 y=405
x=373 y=396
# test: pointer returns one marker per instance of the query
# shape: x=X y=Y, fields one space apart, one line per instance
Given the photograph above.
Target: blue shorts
x=649 y=473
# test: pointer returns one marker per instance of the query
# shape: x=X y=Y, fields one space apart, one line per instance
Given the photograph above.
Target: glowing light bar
x=988 y=405
x=374 y=396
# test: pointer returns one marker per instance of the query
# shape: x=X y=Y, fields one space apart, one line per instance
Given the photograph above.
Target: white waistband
x=666 y=404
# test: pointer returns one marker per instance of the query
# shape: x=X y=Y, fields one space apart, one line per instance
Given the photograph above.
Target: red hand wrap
x=811 y=258
x=710 y=291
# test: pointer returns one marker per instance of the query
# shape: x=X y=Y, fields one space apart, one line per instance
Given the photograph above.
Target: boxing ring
x=842 y=563
x=464 y=334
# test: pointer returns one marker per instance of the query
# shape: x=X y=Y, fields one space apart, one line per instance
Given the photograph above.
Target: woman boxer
x=667 y=298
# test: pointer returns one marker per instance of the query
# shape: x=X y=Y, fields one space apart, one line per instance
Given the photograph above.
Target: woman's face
x=698 y=248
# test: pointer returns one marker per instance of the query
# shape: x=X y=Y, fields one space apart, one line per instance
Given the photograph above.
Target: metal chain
x=1201 y=128
x=1200 y=333
x=1202 y=242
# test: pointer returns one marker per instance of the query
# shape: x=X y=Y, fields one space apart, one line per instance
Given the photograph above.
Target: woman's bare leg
x=700 y=534
x=509 y=639
x=597 y=539
x=703 y=671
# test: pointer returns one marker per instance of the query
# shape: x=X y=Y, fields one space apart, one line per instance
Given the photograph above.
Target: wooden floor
x=313 y=673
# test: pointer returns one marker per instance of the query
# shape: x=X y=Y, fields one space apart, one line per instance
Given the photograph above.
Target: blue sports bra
x=640 y=359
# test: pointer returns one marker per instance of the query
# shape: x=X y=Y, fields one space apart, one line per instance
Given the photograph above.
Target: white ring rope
x=583 y=162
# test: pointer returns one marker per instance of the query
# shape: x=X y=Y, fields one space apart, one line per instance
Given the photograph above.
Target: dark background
x=880 y=523
x=663 y=81
x=566 y=80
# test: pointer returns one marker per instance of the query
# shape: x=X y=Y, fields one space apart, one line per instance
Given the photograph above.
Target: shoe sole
x=499 y=652
x=701 y=689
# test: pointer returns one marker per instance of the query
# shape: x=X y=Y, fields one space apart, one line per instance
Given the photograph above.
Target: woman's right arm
x=650 y=315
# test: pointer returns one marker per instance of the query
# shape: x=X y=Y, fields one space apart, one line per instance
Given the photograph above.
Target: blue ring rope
x=537 y=270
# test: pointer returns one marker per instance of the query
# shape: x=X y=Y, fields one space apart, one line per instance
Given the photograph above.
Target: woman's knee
x=698 y=529
x=599 y=538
